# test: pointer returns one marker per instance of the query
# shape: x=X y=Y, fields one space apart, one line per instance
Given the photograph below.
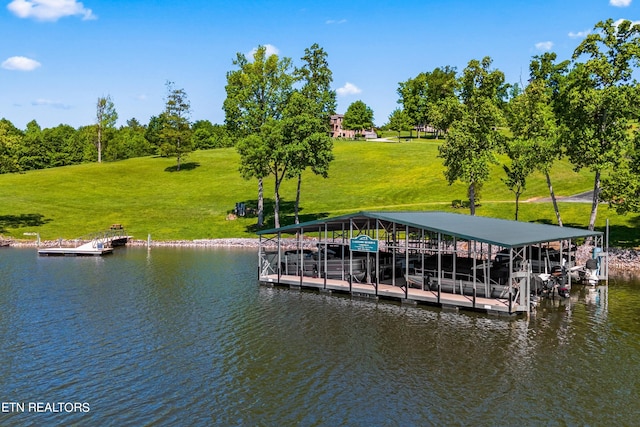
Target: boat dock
x=96 y=244
x=401 y=293
x=438 y=258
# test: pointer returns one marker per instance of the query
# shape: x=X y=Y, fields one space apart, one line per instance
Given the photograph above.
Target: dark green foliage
x=472 y=140
x=206 y=135
x=358 y=117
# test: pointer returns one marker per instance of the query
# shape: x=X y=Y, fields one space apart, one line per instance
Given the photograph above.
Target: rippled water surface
x=187 y=337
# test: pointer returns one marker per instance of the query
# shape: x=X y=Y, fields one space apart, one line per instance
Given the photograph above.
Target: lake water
x=187 y=337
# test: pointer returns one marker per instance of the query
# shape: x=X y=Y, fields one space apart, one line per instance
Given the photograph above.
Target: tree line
x=169 y=133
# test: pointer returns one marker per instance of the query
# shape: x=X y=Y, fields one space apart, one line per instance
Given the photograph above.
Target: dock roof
x=502 y=232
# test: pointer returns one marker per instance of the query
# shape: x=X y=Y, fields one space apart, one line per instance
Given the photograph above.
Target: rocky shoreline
x=620 y=260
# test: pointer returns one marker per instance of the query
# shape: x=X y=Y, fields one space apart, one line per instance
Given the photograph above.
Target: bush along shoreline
x=620 y=259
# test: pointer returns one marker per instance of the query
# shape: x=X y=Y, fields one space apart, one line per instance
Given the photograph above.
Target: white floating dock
x=88 y=249
x=98 y=246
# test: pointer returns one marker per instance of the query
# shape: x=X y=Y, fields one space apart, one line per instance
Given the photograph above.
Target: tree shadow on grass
x=189 y=166
x=287 y=214
x=22 y=220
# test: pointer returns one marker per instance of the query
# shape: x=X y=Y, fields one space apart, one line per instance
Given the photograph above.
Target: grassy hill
x=148 y=196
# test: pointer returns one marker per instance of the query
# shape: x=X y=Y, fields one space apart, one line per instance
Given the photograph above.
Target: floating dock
x=438 y=258
x=98 y=244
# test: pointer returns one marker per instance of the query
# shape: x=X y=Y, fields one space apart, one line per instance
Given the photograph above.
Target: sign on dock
x=363 y=243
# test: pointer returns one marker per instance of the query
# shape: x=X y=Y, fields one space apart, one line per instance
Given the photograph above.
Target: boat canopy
x=502 y=232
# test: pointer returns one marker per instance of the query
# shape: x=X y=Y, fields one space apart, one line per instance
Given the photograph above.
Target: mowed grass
x=148 y=196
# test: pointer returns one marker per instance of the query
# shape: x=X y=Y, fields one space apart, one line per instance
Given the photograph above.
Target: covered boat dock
x=440 y=258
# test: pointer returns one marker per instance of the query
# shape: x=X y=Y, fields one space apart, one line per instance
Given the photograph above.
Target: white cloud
x=41 y=102
x=348 y=89
x=270 y=50
x=619 y=21
x=620 y=3
x=335 y=21
x=49 y=10
x=579 y=34
x=20 y=63
x=544 y=46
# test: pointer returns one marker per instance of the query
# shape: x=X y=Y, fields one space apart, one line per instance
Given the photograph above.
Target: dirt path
x=586 y=197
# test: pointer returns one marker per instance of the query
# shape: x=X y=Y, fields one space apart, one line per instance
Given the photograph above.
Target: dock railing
x=100 y=239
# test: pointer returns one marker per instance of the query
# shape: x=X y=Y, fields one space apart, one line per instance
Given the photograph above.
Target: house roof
x=500 y=232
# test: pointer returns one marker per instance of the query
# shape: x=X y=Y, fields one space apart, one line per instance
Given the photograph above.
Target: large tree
x=599 y=101
x=413 y=97
x=422 y=96
x=307 y=117
x=267 y=153
x=533 y=122
x=358 y=117
x=310 y=146
x=399 y=121
x=175 y=135
x=106 y=117
x=256 y=93
x=469 y=149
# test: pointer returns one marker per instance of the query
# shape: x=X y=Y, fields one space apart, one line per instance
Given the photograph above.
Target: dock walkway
x=387 y=291
x=100 y=244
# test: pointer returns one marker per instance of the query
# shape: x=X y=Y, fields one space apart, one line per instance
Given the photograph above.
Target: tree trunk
x=276 y=205
x=298 y=199
x=178 y=153
x=594 y=204
x=99 y=144
x=472 y=199
x=260 y=203
x=517 y=204
x=553 y=199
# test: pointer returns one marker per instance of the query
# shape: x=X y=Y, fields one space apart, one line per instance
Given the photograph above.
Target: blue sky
x=58 y=56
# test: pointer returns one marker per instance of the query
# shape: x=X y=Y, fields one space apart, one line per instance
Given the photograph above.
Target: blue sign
x=363 y=244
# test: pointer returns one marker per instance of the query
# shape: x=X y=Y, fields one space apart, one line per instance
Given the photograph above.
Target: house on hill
x=338 y=132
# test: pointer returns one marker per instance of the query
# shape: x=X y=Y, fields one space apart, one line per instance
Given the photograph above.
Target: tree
x=64 y=145
x=207 y=135
x=153 y=130
x=10 y=137
x=129 y=141
x=256 y=93
x=533 y=121
x=414 y=100
x=599 y=101
x=310 y=146
x=267 y=153
x=308 y=117
x=469 y=148
x=175 y=134
x=421 y=95
x=443 y=113
x=622 y=190
x=399 y=121
x=358 y=117
x=33 y=154
x=520 y=154
x=106 y=117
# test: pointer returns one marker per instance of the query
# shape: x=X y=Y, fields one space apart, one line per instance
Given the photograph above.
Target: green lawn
x=147 y=196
